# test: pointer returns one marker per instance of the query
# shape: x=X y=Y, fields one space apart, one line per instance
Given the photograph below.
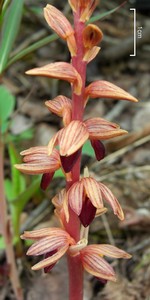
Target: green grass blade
x=46 y=40
x=25 y=196
x=10 y=29
x=7 y=104
x=105 y=14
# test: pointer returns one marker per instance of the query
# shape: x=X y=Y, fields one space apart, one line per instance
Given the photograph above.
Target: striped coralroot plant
x=83 y=198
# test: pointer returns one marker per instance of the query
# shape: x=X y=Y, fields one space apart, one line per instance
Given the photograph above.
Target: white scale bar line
x=134 y=11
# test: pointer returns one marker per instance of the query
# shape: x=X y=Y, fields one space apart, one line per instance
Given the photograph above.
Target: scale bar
x=134 y=12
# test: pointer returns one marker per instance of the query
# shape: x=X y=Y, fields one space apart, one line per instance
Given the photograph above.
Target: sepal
x=105 y=89
x=60 y=70
x=60 y=24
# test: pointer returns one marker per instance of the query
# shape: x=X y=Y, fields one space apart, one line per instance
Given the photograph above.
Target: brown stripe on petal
x=59 y=70
x=43 y=232
x=47 y=244
x=75 y=197
x=72 y=138
x=49 y=254
x=105 y=89
x=111 y=199
x=108 y=250
x=34 y=168
x=90 y=54
x=50 y=260
x=58 y=104
x=39 y=163
x=102 y=129
x=62 y=107
x=93 y=191
x=60 y=24
x=53 y=142
x=35 y=150
x=97 y=266
x=57 y=21
x=87 y=7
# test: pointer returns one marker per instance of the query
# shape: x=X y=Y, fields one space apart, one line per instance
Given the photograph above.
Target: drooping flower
x=51 y=242
x=60 y=24
x=71 y=138
x=94 y=263
x=85 y=8
x=36 y=161
x=62 y=107
x=89 y=190
x=106 y=89
x=54 y=242
x=60 y=70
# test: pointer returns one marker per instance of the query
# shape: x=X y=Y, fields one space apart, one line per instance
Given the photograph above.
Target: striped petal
x=60 y=24
x=37 y=161
x=101 y=129
x=62 y=107
x=91 y=54
x=60 y=70
x=47 y=244
x=111 y=199
x=75 y=197
x=105 y=89
x=108 y=250
x=72 y=138
x=94 y=264
x=53 y=142
x=93 y=191
x=50 y=260
x=43 y=232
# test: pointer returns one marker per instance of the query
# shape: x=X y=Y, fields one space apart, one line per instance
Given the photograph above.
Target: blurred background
x=28 y=42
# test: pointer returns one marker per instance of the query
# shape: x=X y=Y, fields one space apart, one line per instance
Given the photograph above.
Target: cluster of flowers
x=83 y=196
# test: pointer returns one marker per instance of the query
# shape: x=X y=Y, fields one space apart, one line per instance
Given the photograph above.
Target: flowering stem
x=73 y=227
x=75 y=278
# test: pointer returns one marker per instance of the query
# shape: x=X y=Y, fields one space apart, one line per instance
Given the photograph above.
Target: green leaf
x=42 y=42
x=16 y=176
x=37 y=10
x=7 y=104
x=88 y=150
x=2 y=243
x=25 y=196
x=102 y=15
x=9 y=190
x=25 y=135
x=10 y=28
x=58 y=173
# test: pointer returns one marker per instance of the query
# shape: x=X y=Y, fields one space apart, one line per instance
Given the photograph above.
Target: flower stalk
x=83 y=198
